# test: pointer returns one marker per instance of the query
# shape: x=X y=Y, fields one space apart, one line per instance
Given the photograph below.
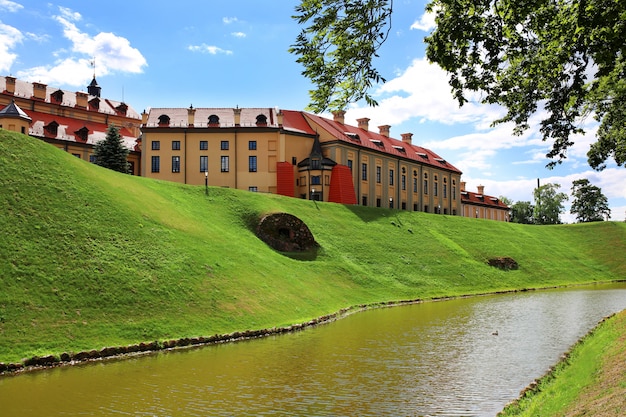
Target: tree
x=111 y=152
x=522 y=212
x=548 y=204
x=589 y=204
x=564 y=57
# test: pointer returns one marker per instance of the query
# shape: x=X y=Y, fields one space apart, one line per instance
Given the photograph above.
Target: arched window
x=214 y=120
x=82 y=134
x=51 y=129
x=164 y=120
x=261 y=120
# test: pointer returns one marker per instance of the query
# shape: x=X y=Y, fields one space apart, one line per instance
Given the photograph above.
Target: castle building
x=72 y=121
x=483 y=206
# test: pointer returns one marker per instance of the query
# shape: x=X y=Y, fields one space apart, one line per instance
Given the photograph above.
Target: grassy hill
x=92 y=258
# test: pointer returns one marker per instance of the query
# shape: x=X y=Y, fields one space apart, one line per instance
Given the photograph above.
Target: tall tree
x=111 y=152
x=589 y=204
x=564 y=57
x=548 y=204
x=522 y=212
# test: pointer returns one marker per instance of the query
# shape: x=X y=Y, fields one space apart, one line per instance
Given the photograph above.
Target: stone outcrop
x=285 y=233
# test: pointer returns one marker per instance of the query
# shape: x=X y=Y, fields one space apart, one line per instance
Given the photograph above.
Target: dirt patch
x=504 y=263
x=285 y=233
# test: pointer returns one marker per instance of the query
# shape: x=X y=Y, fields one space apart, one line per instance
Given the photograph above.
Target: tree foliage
x=548 y=204
x=522 y=212
x=564 y=57
x=589 y=204
x=337 y=48
x=111 y=152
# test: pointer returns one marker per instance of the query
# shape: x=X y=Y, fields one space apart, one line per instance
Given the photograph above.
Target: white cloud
x=9 y=37
x=112 y=53
x=425 y=23
x=229 y=20
x=209 y=49
x=238 y=34
x=10 y=6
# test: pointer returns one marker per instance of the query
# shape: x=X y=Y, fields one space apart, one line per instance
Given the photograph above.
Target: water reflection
x=428 y=359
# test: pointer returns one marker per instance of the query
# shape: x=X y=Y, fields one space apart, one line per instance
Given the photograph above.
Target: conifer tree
x=111 y=152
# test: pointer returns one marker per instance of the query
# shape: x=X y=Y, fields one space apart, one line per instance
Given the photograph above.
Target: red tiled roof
x=68 y=126
x=469 y=197
x=381 y=143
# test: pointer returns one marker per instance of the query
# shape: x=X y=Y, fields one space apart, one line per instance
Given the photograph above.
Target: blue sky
x=234 y=53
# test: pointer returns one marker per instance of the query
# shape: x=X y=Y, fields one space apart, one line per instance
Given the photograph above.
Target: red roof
x=366 y=139
x=469 y=197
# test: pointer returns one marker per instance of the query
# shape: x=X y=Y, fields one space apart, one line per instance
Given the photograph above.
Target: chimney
x=191 y=116
x=10 y=88
x=39 y=91
x=81 y=99
x=481 y=189
x=338 y=116
x=406 y=137
x=280 y=116
x=144 y=117
x=462 y=185
x=237 y=113
x=384 y=130
x=363 y=123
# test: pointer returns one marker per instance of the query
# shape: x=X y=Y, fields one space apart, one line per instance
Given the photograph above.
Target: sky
x=235 y=53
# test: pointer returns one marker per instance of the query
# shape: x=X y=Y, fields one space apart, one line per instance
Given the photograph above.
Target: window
x=261 y=120
x=252 y=167
x=176 y=145
x=156 y=164
x=252 y=145
x=92 y=159
x=253 y=189
x=391 y=177
x=175 y=163
x=378 y=176
x=414 y=185
x=445 y=190
x=364 y=173
x=224 y=145
x=349 y=164
x=51 y=128
x=436 y=189
x=214 y=119
x=204 y=145
x=316 y=163
x=316 y=180
x=77 y=155
x=378 y=202
x=204 y=164
x=403 y=182
x=224 y=164
x=164 y=120
x=156 y=145
x=425 y=185
x=364 y=200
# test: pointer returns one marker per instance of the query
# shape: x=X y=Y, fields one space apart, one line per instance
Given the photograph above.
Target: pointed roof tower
x=12 y=110
x=93 y=88
x=316 y=159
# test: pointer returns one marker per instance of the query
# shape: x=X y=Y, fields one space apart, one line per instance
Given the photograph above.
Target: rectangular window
x=404 y=182
x=425 y=186
x=224 y=145
x=391 y=177
x=414 y=185
x=252 y=145
x=92 y=159
x=364 y=172
x=156 y=164
x=204 y=164
x=204 y=145
x=176 y=145
x=77 y=155
x=454 y=193
x=253 y=189
x=316 y=180
x=349 y=164
x=436 y=189
x=252 y=167
x=445 y=191
x=224 y=164
x=378 y=176
x=175 y=163
x=156 y=145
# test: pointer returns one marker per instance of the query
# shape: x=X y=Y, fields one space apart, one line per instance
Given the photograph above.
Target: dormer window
x=261 y=120
x=214 y=120
x=353 y=136
x=122 y=108
x=57 y=97
x=82 y=134
x=377 y=142
x=51 y=129
x=316 y=163
x=399 y=148
x=164 y=120
x=422 y=154
x=94 y=103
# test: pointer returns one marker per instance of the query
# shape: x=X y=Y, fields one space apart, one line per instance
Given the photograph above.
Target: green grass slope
x=92 y=258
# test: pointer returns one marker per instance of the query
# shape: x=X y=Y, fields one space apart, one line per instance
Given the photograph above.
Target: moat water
x=430 y=359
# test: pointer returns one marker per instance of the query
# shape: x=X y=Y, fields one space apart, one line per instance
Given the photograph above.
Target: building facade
x=72 y=121
x=481 y=206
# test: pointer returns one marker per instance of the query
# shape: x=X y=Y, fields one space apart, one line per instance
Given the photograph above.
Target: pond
x=462 y=357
